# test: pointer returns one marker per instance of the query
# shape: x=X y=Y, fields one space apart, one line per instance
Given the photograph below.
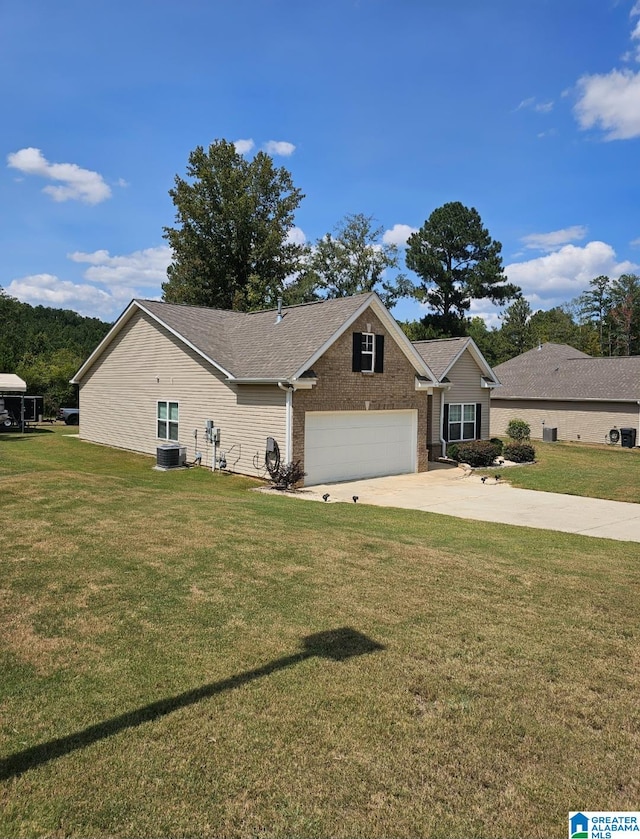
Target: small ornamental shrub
x=452 y=451
x=287 y=475
x=497 y=442
x=477 y=453
x=518 y=430
x=519 y=452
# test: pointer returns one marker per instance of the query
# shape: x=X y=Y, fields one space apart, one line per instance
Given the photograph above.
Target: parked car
x=71 y=416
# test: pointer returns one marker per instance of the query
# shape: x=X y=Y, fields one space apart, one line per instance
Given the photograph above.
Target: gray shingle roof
x=253 y=344
x=440 y=352
x=558 y=371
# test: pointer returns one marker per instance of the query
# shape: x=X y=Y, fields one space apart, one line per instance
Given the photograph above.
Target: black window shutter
x=445 y=422
x=356 y=363
x=478 y=420
x=379 y=360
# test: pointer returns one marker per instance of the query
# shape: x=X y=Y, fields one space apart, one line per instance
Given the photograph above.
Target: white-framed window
x=462 y=421
x=368 y=352
x=167 y=421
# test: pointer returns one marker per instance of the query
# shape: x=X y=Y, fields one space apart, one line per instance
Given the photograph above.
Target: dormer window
x=368 y=352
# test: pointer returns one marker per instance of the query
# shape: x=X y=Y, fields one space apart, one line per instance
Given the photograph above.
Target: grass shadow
x=336 y=644
x=14 y=435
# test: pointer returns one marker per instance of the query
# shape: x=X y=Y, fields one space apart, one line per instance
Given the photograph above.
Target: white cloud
x=279 y=147
x=296 y=236
x=75 y=183
x=49 y=290
x=610 y=102
x=557 y=277
x=532 y=104
x=553 y=240
x=244 y=146
x=147 y=268
x=398 y=234
x=526 y=103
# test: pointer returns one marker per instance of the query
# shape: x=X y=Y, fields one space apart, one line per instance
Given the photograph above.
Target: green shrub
x=518 y=429
x=452 y=451
x=497 y=442
x=519 y=452
x=477 y=452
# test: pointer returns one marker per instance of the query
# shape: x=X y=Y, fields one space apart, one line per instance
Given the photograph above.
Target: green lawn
x=578 y=469
x=181 y=656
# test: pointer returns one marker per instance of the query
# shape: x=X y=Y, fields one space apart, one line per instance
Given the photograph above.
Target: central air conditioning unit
x=170 y=456
x=549 y=435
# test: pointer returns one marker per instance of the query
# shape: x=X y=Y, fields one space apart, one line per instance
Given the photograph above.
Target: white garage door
x=346 y=445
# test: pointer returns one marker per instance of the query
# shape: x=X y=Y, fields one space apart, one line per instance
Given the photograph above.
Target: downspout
x=288 y=420
x=442 y=440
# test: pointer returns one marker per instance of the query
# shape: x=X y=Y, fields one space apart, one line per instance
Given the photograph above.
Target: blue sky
x=527 y=110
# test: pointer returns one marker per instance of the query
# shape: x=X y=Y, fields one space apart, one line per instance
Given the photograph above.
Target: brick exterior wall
x=339 y=389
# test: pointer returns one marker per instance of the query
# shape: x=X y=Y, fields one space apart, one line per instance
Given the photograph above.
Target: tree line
x=45 y=347
x=602 y=321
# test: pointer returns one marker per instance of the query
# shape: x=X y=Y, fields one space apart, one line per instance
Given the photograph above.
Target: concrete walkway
x=454 y=491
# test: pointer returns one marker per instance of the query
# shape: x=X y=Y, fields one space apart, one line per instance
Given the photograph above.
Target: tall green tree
x=231 y=246
x=457 y=262
x=555 y=326
x=594 y=306
x=355 y=259
x=516 y=328
x=625 y=314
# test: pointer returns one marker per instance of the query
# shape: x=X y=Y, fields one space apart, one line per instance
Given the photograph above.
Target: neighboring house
x=336 y=384
x=459 y=409
x=557 y=386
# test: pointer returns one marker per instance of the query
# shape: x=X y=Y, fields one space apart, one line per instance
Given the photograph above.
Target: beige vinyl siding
x=146 y=363
x=588 y=422
x=466 y=387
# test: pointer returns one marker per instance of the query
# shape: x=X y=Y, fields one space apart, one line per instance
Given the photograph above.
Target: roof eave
x=124 y=318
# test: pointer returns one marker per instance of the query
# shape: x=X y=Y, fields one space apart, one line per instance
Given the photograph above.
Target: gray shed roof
x=255 y=345
x=559 y=371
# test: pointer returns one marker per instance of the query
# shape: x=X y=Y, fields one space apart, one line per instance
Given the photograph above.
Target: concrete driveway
x=454 y=491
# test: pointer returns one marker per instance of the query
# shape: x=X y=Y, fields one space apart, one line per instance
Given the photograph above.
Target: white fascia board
x=373 y=301
x=297 y=384
x=124 y=318
x=253 y=380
